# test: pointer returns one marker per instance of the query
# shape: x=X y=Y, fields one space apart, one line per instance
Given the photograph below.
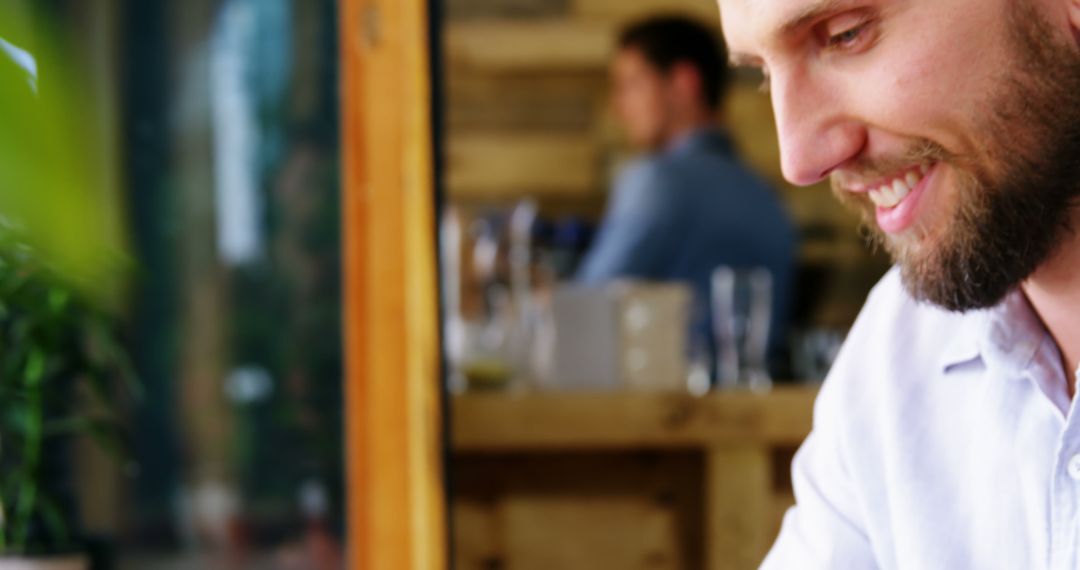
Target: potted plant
x=62 y=370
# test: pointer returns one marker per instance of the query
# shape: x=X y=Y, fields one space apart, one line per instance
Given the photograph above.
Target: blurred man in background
x=689 y=205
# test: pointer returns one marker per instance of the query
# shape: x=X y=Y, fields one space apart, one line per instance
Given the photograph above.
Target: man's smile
x=891 y=191
x=896 y=196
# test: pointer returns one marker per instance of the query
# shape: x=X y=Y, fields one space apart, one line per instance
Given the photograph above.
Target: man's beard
x=1013 y=208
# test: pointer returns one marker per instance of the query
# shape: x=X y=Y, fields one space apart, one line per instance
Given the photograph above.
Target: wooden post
x=738 y=486
x=396 y=509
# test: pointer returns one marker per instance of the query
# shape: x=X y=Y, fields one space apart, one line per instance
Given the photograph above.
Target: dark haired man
x=689 y=206
x=947 y=434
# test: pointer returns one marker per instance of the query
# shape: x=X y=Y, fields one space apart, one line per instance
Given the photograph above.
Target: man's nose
x=815 y=132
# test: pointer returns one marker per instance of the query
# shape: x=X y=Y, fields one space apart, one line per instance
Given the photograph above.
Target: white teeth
x=876 y=197
x=900 y=188
x=890 y=194
x=884 y=197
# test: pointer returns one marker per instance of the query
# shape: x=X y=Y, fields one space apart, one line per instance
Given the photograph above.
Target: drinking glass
x=741 y=312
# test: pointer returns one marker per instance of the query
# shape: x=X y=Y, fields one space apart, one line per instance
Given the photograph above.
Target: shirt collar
x=964 y=345
x=1006 y=335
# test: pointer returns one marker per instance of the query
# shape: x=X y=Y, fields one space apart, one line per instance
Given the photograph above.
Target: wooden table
x=742 y=442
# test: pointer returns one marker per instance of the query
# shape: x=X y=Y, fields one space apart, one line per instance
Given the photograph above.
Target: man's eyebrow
x=793 y=25
x=810 y=13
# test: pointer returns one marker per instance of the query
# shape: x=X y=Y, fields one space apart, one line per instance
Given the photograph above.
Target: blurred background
x=534 y=148
x=592 y=426
x=634 y=421
x=216 y=123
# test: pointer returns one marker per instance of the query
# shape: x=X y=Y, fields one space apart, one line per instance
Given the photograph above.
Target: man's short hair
x=669 y=40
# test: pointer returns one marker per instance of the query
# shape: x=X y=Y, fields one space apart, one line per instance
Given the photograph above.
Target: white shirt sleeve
x=823 y=530
x=827 y=527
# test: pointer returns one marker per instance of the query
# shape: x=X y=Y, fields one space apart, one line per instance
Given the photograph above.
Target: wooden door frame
x=396 y=511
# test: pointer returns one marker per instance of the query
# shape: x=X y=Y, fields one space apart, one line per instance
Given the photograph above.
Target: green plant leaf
x=106 y=432
x=54 y=520
x=58 y=299
x=25 y=505
x=35 y=368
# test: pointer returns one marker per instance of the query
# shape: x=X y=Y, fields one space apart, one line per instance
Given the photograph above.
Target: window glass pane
x=223 y=119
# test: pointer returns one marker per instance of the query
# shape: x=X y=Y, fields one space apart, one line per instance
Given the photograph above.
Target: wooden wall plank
x=523 y=103
x=395 y=487
x=622 y=11
x=584 y=532
x=520 y=47
x=501 y=164
x=579 y=511
x=505 y=9
x=625 y=420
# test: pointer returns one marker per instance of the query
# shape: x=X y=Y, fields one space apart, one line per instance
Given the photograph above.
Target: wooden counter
x=622 y=480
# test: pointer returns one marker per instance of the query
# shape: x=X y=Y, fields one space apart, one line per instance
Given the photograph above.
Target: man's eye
x=849 y=32
x=845 y=39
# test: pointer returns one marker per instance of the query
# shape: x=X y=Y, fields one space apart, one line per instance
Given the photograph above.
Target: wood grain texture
x=526 y=103
x=395 y=499
x=504 y=9
x=494 y=422
x=495 y=164
x=590 y=532
x=739 y=502
x=647 y=480
x=571 y=511
x=623 y=11
x=512 y=46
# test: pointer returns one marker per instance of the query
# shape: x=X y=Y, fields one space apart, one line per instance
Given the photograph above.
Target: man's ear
x=687 y=79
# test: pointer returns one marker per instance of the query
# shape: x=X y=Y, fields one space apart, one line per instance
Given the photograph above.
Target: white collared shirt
x=940 y=440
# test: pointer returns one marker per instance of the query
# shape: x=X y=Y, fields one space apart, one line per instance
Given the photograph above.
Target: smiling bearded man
x=1013 y=200
x=946 y=434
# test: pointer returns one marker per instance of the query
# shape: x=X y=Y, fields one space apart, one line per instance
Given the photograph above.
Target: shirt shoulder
x=898 y=334
x=893 y=359
x=641 y=192
x=707 y=165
